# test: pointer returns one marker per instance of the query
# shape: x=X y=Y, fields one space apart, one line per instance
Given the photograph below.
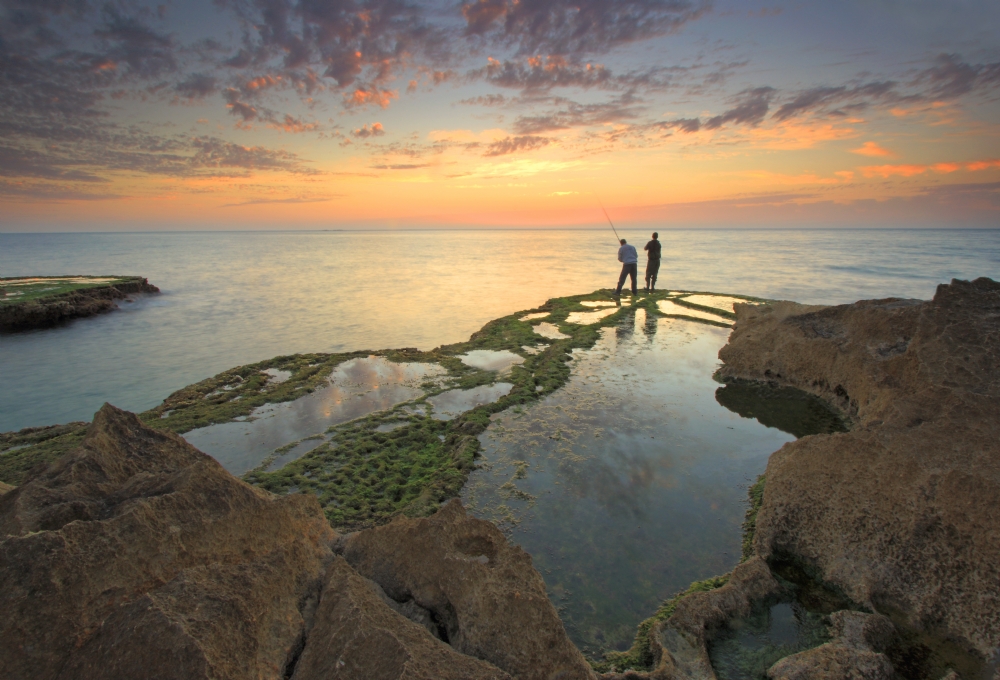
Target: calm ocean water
x=232 y=298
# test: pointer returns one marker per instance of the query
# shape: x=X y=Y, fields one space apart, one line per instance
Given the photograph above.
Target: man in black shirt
x=653 y=264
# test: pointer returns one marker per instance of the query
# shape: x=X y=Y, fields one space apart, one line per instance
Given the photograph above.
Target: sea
x=231 y=298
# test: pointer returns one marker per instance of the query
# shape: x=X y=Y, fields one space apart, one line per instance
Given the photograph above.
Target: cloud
x=485 y=100
x=575 y=28
x=131 y=42
x=375 y=130
x=293 y=125
x=574 y=114
x=872 y=149
x=21 y=162
x=510 y=145
x=829 y=98
x=265 y=201
x=910 y=170
x=401 y=166
x=950 y=77
x=751 y=108
x=197 y=86
x=366 y=97
x=211 y=152
x=347 y=41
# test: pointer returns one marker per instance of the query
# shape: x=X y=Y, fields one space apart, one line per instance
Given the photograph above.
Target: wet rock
x=52 y=310
x=356 y=635
x=900 y=513
x=680 y=644
x=856 y=651
x=136 y=555
x=485 y=596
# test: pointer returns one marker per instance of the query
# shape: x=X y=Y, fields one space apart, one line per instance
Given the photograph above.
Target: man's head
x=623 y=241
x=655 y=235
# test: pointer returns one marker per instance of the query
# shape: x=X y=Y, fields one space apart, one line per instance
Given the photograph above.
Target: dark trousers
x=652 y=269
x=628 y=270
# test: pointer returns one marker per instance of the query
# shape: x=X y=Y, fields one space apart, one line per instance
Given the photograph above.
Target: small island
x=32 y=302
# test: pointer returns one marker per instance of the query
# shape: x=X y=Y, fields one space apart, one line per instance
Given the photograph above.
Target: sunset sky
x=238 y=114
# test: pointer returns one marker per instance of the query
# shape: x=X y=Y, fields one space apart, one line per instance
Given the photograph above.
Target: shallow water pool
x=357 y=387
x=628 y=483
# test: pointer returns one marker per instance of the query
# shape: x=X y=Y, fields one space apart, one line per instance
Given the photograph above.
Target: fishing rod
x=617 y=237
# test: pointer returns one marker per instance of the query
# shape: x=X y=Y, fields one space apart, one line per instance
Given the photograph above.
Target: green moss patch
x=19 y=289
x=22 y=451
x=640 y=656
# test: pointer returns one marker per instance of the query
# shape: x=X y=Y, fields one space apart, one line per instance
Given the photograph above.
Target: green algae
x=29 y=289
x=756 y=498
x=22 y=451
x=640 y=655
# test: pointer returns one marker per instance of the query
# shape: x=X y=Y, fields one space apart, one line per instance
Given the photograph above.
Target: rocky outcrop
x=900 y=514
x=136 y=555
x=486 y=598
x=357 y=636
x=52 y=310
x=856 y=651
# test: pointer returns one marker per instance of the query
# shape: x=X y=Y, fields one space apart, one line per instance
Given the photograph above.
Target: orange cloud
x=373 y=96
x=911 y=170
x=873 y=149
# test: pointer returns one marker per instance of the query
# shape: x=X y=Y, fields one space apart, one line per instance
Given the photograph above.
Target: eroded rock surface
x=487 y=599
x=358 y=636
x=900 y=513
x=856 y=651
x=136 y=555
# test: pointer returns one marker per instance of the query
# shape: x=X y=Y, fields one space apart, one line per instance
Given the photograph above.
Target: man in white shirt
x=629 y=259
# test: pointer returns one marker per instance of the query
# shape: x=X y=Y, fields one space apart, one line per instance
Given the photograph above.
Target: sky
x=327 y=114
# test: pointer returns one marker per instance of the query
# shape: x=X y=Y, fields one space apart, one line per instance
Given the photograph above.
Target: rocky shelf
x=135 y=551
x=27 y=303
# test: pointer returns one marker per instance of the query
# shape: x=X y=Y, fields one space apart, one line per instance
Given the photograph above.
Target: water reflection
x=724 y=302
x=490 y=359
x=452 y=403
x=550 y=331
x=587 y=318
x=671 y=307
x=358 y=387
x=633 y=460
x=785 y=408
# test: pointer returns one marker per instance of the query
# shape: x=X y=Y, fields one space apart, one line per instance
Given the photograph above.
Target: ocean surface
x=229 y=298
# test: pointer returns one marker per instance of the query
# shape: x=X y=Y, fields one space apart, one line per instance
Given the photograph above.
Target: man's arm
x=620 y=253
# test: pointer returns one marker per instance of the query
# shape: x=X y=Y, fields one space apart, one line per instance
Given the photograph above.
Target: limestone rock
x=136 y=555
x=54 y=309
x=900 y=513
x=855 y=652
x=680 y=644
x=485 y=595
x=356 y=635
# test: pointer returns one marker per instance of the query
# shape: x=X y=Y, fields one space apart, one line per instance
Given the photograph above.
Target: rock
x=54 y=309
x=900 y=513
x=356 y=635
x=4 y=488
x=487 y=599
x=854 y=652
x=136 y=555
x=680 y=644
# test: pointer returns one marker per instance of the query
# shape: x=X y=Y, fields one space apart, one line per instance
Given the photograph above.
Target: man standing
x=653 y=264
x=629 y=259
